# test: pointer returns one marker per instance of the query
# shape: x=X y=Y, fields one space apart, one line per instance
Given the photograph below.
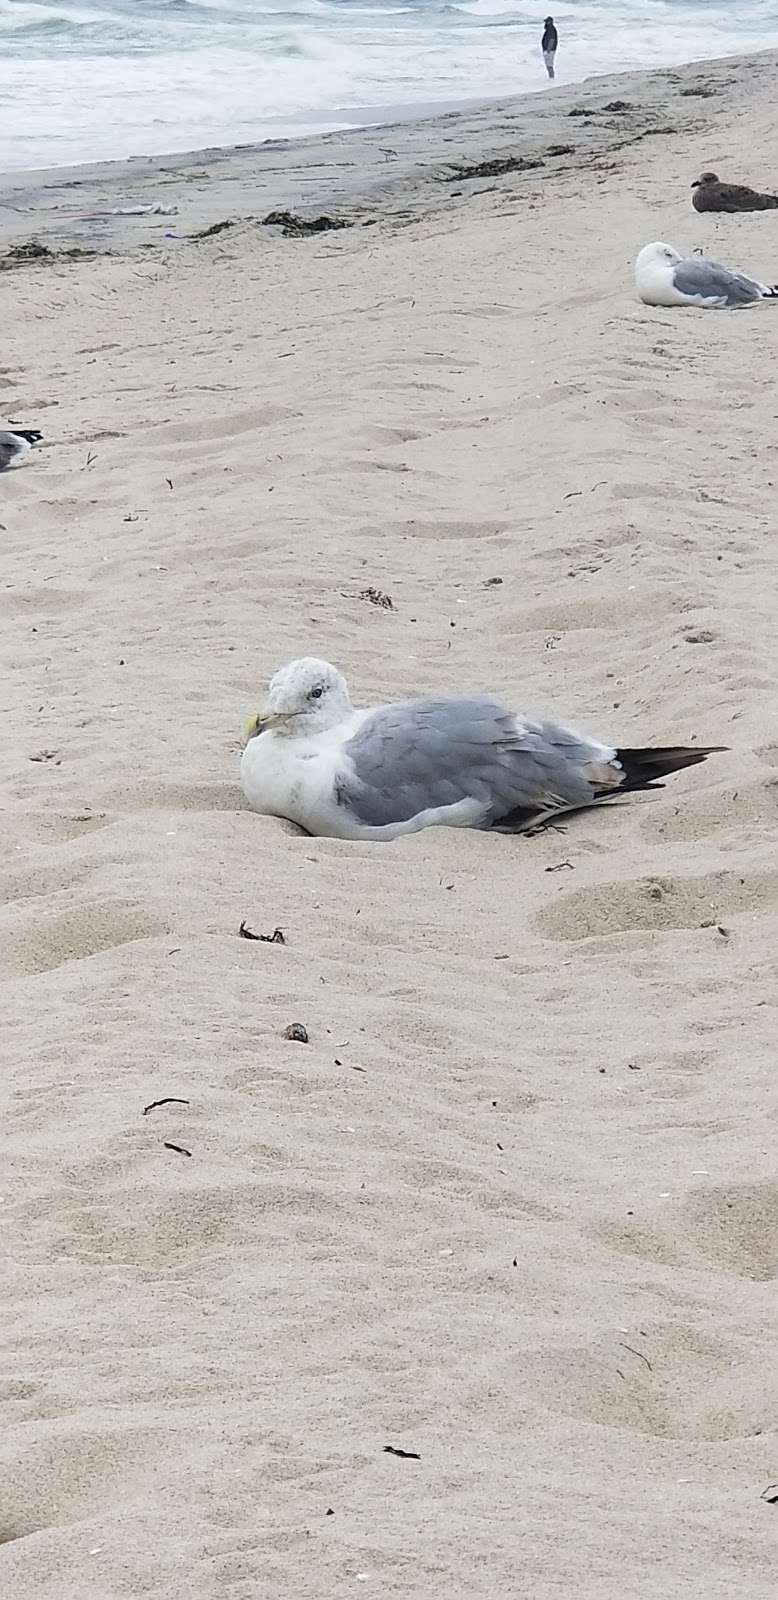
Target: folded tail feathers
x=644 y=767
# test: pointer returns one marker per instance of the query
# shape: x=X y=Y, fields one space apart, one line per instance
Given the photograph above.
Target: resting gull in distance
x=665 y=278
x=394 y=769
x=15 y=444
x=710 y=194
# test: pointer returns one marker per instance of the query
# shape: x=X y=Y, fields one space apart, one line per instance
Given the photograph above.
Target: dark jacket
x=550 y=38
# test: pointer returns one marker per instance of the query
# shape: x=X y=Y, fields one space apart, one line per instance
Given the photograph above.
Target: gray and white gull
x=665 y=278
x=393 y=769
x=15 y=444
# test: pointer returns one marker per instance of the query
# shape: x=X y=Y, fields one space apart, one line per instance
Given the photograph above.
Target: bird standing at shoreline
x=395 y=769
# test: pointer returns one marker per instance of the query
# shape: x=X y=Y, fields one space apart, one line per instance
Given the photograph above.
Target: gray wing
x=708 y=279
x=412 y=757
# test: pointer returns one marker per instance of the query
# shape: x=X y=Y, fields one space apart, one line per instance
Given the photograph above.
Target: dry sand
x=514 y=1207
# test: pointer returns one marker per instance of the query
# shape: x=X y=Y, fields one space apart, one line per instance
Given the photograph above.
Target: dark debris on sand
x=167 y=1100
x=276 y=937
x=30 y=252
x=496 y=167
x=294 y=227
x=216 y=227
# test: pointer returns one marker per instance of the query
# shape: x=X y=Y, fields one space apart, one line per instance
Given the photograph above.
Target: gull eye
x=316 y=694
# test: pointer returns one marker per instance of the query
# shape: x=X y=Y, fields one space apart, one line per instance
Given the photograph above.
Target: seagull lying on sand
x=664 y=278
x=393 y=769
x=710 y=194
x=15 y=445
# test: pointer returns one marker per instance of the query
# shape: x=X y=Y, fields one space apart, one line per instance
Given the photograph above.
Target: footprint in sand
x=39 y=941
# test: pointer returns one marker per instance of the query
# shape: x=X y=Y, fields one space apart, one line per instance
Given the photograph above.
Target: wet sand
x=400 y=170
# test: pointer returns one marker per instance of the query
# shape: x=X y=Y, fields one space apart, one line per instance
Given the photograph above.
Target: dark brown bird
x=710 y=194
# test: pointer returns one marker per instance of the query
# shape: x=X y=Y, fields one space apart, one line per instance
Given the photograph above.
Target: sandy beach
x=513 y=1208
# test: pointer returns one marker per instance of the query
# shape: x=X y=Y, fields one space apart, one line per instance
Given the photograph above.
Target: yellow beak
x=262 y=721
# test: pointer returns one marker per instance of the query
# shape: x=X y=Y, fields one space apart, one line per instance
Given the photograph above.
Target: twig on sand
x=638 y=1353
x=276 y=937
x=168 y=1100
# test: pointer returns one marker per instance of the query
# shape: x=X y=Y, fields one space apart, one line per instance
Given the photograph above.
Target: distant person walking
x=548 y=45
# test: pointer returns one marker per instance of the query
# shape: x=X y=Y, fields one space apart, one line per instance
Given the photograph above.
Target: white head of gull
x=305 y=697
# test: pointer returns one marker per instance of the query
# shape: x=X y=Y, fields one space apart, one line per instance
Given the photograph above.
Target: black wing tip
x=643 y=769
x=646 y=766
x=32 y=435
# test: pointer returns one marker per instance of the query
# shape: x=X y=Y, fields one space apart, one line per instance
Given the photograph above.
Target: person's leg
x=548 y=57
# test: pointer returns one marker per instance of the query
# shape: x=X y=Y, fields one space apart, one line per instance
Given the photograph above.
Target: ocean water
x=84 y=80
